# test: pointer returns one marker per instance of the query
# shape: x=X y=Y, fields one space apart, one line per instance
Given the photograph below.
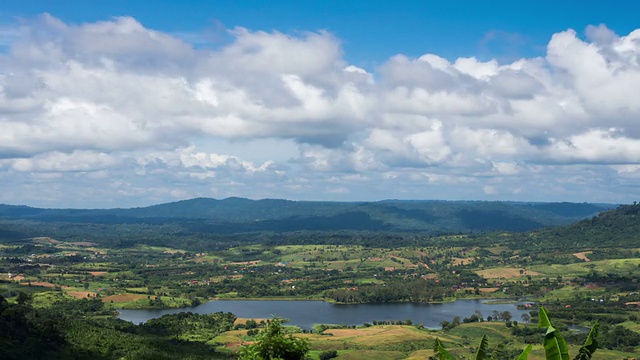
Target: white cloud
x=270 y=114
x=80 y=160
x=598 y=146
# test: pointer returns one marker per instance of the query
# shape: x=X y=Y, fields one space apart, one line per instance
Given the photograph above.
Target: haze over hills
x=239 y=215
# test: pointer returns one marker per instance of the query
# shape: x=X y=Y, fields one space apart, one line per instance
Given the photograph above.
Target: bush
x=330 y=354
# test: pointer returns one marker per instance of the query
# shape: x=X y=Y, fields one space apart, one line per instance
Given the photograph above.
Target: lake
x=307 y=313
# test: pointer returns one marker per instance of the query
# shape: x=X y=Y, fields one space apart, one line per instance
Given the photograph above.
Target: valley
x=583 y=272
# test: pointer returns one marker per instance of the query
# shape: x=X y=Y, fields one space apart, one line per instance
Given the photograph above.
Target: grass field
x=123 y=298
x=506 y=273
x=408 y=342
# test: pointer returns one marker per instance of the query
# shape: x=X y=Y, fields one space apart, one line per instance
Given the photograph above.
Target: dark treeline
x=417 y=290
x=75 y=330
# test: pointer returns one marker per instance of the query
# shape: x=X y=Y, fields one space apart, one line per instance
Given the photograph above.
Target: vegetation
x=77 y=329
x=555 y=346
x=58 y=293
x=208 y=224
x=273 y=344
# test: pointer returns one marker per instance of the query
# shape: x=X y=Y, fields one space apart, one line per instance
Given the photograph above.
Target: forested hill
x=238 y=215
x=614 y=228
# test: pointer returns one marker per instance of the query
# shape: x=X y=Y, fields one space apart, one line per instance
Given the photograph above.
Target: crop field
x=98 y=273
x=123 y=298
x=81 y=294
x=506 y=273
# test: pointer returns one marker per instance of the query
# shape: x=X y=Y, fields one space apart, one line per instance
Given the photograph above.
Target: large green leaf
x=525 y=353
x=590 y=344
x=543 y=318
x=441 y=352
x=483 y=347
x=555 y=347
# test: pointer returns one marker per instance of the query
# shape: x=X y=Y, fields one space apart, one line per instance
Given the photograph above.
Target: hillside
x=616 y=227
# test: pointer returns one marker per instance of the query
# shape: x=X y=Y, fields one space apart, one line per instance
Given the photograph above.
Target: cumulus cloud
x=126 y=115
x=55 y=161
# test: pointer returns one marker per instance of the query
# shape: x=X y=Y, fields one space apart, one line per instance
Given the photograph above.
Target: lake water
x=307 y=313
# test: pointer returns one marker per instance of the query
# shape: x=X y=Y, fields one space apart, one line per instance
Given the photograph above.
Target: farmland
x=579 y=282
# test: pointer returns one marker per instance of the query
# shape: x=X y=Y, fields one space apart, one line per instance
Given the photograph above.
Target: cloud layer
x=115 y=114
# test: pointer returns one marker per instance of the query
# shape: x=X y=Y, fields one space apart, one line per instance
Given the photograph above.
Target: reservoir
x=307 y=313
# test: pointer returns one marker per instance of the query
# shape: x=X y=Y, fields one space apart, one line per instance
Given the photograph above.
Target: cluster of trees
x=28 y=333
x=477 y=317
x=74 y=330
x=391 y=322
x=273 y=343
x=394 y=290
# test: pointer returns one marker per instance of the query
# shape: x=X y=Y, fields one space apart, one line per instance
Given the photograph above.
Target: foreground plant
x=272 y=344
x=555 y=346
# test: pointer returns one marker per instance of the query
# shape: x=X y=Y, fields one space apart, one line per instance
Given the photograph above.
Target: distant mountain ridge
x=239 y=215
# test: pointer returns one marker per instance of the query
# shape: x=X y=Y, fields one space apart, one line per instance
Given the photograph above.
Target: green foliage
x=27 y=333
x=525 y=353
x=72 y=329
x=590 y=344
x=273 y=344
x=203 y=326
x=329 y=354
x=483 y=348
x=440 y=352
x=555 y=347
x=618 y=337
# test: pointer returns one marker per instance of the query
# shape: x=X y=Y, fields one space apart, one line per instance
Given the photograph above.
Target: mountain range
x=239 y=215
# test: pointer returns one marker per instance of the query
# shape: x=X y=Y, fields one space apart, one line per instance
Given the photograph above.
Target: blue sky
x=127 y=103
x=371 y=31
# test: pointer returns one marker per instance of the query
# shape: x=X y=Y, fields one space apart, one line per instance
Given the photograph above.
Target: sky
x=130 y=103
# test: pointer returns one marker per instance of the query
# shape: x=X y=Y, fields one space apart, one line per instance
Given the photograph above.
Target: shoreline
x=495 y=301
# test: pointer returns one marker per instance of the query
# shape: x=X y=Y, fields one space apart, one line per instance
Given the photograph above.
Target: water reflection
x=307 y=313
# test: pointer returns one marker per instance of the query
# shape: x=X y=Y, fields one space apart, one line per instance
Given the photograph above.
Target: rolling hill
x=238 y=215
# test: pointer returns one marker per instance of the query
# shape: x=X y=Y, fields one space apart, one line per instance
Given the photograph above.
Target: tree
x=506 y=315
x=23 y=298
x=272 y=344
